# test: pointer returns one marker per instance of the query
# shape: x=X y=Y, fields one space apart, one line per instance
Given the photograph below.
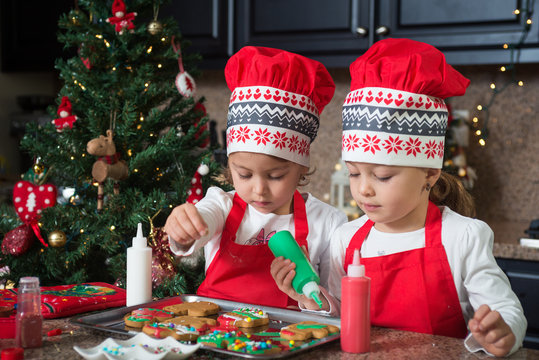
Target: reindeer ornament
x=108 y=165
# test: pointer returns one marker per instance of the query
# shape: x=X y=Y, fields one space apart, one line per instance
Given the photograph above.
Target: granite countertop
x=385 y=344
x=515 y=251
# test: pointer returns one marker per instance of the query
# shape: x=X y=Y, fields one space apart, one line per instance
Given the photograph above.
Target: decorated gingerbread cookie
x=185 y=328
x=244 y=317
x=142 y=316
x=238 y=341
x=308 y=329
x=197 y=308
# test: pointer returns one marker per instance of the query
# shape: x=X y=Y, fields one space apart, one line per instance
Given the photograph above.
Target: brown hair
x=449 y=191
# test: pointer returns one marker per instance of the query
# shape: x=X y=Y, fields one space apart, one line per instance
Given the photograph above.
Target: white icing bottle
x=139 y=270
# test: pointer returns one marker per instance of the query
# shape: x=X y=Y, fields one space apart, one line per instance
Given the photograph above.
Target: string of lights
x=514 y=58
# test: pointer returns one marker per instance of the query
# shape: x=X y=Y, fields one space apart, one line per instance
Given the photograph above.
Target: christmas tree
x=128 y=143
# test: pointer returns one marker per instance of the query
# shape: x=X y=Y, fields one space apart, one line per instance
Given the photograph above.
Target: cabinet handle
x=361 y=31
x=382 y=30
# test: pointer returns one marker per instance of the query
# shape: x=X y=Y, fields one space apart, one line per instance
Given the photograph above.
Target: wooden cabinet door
x=524 y=278
x=206 y=24
x=315 y=28
x=467 y=31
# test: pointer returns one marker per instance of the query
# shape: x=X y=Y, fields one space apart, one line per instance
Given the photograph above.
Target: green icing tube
x=306 y=280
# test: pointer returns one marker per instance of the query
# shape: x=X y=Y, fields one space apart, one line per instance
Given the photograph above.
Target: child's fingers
x=196 y=219
x=280 y=269
x=506 y=341
x=494 y=335
x=180 y=227
x=287 y=281
x=172 y=227
x=491 y=331
x=490 y=321
x=480 y=314
x=189 y=222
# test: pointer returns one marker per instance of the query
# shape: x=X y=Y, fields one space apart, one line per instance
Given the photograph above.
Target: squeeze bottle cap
x=355 y=269
x=312 y=290
x=14 y=353
x=139 y=241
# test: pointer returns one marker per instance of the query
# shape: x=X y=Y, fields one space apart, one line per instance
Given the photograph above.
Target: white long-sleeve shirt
x=257 y=227
x=468 y=244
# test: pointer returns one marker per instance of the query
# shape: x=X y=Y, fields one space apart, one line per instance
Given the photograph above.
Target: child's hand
x=491 y=331
x=283 y=273
x=185 y=225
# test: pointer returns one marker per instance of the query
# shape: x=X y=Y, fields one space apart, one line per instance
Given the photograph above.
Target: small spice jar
x=29 y=320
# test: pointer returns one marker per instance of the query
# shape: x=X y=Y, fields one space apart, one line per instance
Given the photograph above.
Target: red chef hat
x=395 y=113
x=276 y=101
x=118 y=5
x=65 y=105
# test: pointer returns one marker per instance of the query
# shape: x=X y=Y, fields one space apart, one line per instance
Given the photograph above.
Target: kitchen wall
x=506 y=192
x=507 y=189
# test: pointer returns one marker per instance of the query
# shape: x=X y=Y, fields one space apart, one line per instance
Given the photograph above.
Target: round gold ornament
x=38 y=168
x=57 y=238
x=155 y=27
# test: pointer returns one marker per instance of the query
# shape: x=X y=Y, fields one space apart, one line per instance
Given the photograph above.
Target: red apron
x=242 y=272
x=413 y=290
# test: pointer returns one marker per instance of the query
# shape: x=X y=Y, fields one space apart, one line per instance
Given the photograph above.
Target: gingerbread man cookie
x=244 y=317
x=308 y=329
x=197 y=308
x=142 y=316
x=185 y=328
x=238 y=341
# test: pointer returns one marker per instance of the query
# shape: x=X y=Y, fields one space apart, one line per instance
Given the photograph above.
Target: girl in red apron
x=273 y=117
x=394 y=122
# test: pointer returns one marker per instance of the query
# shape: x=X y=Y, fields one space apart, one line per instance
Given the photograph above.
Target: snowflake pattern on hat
x=388 y=126
x=395 y=113
x=281 y=123
x=276 y=101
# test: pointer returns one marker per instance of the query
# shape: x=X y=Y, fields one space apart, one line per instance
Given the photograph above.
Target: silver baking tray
x=112 y=321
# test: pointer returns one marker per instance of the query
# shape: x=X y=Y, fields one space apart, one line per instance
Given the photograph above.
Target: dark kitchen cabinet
x=337 y=31
x=468 y=32
x=524 y=278
x=332 y=31
x=207 y=25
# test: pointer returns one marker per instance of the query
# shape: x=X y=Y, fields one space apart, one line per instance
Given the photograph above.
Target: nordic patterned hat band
x=277 y=97
x=271 y=121
x=395 y=113
x=392 y=127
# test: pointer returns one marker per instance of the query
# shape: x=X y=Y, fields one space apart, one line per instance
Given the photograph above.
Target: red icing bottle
x=29 y=321
x=355 y=309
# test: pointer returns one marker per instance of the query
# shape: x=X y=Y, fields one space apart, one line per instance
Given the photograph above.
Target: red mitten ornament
x=66 y=119
x=29 y=199
x=120 y=19
x=184 y=82
x=18 y=240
